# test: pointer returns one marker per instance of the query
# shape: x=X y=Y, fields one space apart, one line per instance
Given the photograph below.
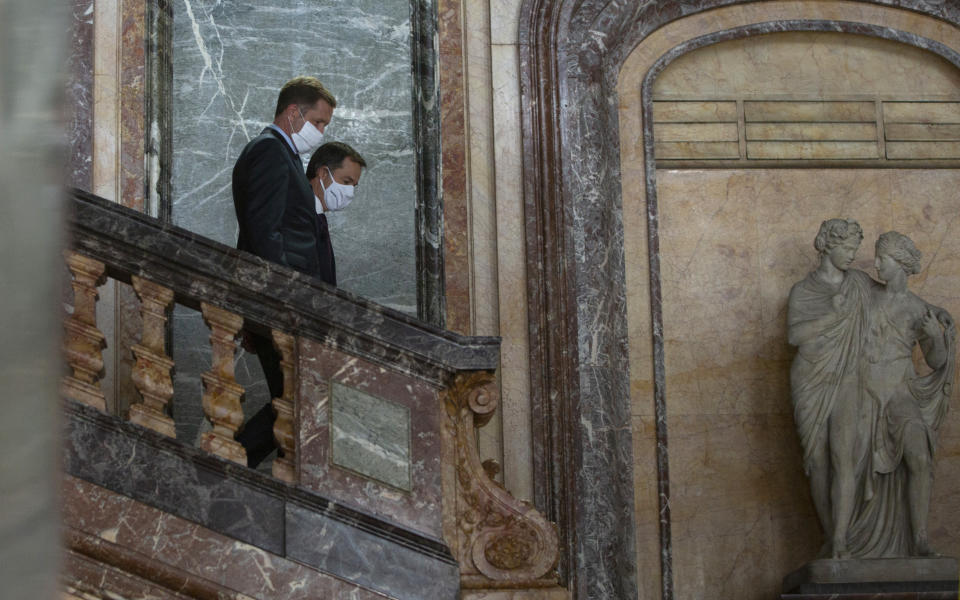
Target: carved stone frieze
x=83 y=342
x=221 y=392
x=284 y=467
x=503 y=541
x=151 y=374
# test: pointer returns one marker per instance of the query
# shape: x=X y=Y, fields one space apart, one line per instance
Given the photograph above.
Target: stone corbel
x=503 y=542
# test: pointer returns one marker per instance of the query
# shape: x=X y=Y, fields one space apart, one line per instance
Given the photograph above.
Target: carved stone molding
x=571 y=52
x=83 y=342
x=221 y=392
x=503 y=541
x=151 y=374
x=284 y=467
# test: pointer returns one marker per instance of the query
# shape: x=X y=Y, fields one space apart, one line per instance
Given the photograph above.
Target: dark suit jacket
x=275 y=205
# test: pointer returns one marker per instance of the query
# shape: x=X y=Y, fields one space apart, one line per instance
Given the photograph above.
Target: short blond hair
x=304 y=91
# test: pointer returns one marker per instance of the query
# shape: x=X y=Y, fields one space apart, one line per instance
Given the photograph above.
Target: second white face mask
x=337 y=195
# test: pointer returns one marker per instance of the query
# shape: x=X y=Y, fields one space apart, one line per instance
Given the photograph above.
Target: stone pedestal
x=918 y=578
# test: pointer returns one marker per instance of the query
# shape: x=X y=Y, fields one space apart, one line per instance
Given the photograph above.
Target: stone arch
x=571 y=54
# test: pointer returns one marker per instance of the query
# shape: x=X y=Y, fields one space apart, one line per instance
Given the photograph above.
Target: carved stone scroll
x=504 y=542
x=221 y=392
x=83 y=343
x=284 y=467
x=151 y=374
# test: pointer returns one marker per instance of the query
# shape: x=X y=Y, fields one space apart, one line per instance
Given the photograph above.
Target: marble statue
x=826 y=321
x=867 y=419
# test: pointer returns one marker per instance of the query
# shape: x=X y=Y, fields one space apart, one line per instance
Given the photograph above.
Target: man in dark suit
x=334 y=172
x=277 y=215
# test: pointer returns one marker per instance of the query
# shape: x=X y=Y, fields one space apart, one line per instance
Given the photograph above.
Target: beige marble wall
x=806 y=65
x=106 y=157
x=498 y=251
x=732 y=243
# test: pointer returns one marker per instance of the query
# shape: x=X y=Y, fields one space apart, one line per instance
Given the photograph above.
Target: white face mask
x=308 y=138
x=337 y=195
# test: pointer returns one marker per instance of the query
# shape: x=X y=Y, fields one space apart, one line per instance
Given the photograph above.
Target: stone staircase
x=379 y=492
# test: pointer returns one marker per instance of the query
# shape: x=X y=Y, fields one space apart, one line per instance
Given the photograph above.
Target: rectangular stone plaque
x=694 y=112
x=922 y=132
x=695 y=150
x=370 y=436
x=812 y=150
x=695 y=132
x=921 y=112
x=920 y=150
x=812 y=131
x=819 y=111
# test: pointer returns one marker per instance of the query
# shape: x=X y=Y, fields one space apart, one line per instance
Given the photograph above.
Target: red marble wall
x=456 y=243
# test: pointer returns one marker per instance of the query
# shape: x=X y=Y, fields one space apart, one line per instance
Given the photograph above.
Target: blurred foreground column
x=32 y=58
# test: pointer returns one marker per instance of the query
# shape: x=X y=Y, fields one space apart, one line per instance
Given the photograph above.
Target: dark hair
x=332 y=155
x=304 y=92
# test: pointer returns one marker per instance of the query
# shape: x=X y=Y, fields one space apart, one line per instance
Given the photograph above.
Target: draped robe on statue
x=826 y=368
x=897 y=396
x=860 y=355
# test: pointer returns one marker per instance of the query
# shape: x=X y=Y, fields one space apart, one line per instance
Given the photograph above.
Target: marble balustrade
x=379 y=411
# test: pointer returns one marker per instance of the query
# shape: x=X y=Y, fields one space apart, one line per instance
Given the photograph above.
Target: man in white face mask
x=277 y=217
x=334 y=173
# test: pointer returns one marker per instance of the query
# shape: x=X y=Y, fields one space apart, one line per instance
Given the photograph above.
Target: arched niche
x=600 y=345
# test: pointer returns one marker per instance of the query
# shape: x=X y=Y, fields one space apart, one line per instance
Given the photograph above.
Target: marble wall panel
x=733 y=242
x=229 y=64
x=482 y=201
x=808 y=66
x=230 y=61
x=194 y=549
x=106 y=99
x=504 y=21
x=86 y=579
x=456 y=240
x=540 y=594
x=511 y=271
x=133 y=68
x=793 y=201
x=370 y=436
x=80 y=97
x=419 y=508
x=340 y=548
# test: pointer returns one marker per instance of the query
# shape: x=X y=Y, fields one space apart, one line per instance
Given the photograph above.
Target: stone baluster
x=284 y=467
x=83 y=343
x=221 y=392
x=151 y=374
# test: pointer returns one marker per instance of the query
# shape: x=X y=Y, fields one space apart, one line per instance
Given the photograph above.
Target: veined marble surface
x=230 y=61
x=370 y=435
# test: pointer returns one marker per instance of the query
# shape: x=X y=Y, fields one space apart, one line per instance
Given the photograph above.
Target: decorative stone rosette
x=503 y=541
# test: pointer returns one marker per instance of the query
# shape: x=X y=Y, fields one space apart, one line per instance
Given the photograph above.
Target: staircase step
x=243 y=508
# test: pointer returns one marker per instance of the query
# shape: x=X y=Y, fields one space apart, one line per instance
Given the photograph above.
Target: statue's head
x=837 y=232
x=837 y=242
x=901 y=249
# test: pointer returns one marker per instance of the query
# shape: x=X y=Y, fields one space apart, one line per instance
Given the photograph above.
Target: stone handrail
x=495 y=537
